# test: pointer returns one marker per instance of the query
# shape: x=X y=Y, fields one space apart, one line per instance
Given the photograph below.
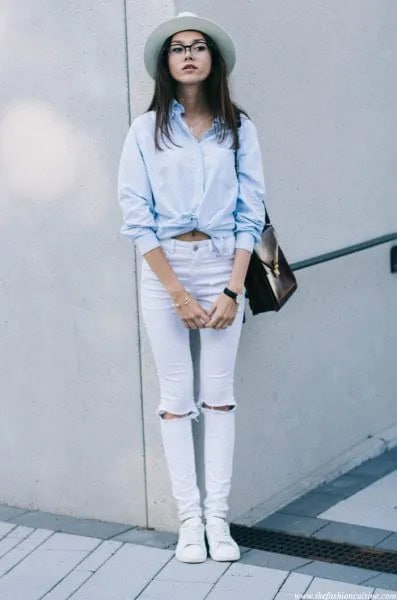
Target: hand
x=193 y=315
x=222 y=312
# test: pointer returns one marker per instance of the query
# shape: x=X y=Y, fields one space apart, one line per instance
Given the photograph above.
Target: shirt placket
x=198 y=170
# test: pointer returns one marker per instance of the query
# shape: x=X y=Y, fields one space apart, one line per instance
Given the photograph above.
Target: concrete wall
x=71 y=438
x=316 y=383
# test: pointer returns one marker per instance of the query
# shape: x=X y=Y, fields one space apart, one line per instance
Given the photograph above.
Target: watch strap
x=230 y=293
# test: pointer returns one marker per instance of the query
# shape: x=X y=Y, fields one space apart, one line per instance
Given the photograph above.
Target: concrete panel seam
x=137 y=316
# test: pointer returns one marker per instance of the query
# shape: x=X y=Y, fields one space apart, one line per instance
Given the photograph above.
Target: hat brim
x=158 y=36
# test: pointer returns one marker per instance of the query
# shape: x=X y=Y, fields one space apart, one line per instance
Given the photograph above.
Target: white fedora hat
x=182 y=22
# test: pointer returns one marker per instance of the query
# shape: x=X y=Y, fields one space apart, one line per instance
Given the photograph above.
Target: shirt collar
x=177 y=108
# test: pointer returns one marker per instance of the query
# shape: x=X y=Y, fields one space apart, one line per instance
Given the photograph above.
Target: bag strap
x=267 y=219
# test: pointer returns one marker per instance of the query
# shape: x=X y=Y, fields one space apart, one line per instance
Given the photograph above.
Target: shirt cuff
x=245 y=240
x=147 y=242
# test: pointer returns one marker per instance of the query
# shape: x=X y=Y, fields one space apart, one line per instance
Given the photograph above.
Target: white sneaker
x=221 y=544
x=191 y=543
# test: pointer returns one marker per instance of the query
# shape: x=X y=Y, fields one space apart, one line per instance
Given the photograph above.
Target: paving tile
x=125 y=574
x=38 y=573
x=339 y=493
x=13 y=539
x=320 y=585
x=88 y=527
x=358 y=514
x=206 y=572
x=389 y=543
x=69 y=541
x=351 y=534
x=296 y=583
x=247 y=581
x=7 y=513
x=175 y=590
x=371 y=495
x=23 y=549
x=68 y=585
x=5 y=528
x=244 y=549
x=387 y=581
x=309 y=505
x=351 y=483
x=273 y=560
x=99 y=556
x=390 y=596
x=370 y=507
x=147 y=537
x=292 y=524
x=377 y=467
x=83 y=571
x=19 y=532
x=336 y=572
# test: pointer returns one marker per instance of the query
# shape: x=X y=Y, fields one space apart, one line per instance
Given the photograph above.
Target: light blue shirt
x=165 y=193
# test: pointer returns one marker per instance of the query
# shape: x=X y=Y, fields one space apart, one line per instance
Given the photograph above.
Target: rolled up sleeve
x=135 y=196
x=250 y=207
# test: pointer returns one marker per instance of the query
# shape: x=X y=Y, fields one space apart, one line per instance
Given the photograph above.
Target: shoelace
x=222 y=533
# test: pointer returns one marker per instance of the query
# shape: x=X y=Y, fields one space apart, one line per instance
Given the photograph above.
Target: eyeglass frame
x=185 y=46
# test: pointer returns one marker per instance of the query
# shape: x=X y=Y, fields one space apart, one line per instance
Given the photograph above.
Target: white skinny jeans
x=204 y=271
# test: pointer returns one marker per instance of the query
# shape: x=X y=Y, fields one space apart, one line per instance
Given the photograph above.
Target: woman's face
x=197 y=57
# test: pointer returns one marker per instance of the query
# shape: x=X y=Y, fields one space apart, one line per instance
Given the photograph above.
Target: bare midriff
x=192 y=236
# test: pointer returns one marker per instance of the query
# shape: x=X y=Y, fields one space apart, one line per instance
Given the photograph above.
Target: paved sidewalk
x=55 y=557
x=43 y=564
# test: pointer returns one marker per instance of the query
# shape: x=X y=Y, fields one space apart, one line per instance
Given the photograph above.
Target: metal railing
x=315 y=260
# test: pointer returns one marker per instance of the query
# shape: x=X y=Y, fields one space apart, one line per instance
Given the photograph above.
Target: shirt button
x=195 y=247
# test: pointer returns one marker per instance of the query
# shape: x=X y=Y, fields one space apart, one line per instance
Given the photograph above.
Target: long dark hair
x=216 y=90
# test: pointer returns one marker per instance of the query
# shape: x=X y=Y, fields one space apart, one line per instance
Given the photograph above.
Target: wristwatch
x=236 y=297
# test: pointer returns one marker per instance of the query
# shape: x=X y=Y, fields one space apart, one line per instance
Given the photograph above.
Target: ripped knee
x=224 y=407
x=167 y=415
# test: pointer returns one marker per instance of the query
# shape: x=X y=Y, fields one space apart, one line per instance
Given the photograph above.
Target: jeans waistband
x=219 y=245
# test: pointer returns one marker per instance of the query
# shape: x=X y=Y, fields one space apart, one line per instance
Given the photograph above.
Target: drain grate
x=364 y=557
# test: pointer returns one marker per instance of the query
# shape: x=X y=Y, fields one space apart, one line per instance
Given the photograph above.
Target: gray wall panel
x=70 y=439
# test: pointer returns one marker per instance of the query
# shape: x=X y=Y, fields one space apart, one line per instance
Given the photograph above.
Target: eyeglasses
x=180 y=49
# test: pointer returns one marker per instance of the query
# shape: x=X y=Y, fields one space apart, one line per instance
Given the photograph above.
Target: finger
x=205 y=318
x=224 y=322
x=212 y=309
x=216 y=322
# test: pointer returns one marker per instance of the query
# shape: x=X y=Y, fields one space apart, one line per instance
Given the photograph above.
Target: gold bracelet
x=186 y=301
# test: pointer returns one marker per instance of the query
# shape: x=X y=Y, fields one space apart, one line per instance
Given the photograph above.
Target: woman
x=195 y=222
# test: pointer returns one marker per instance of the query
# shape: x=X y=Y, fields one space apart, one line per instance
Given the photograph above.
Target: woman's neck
x=194 y=103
